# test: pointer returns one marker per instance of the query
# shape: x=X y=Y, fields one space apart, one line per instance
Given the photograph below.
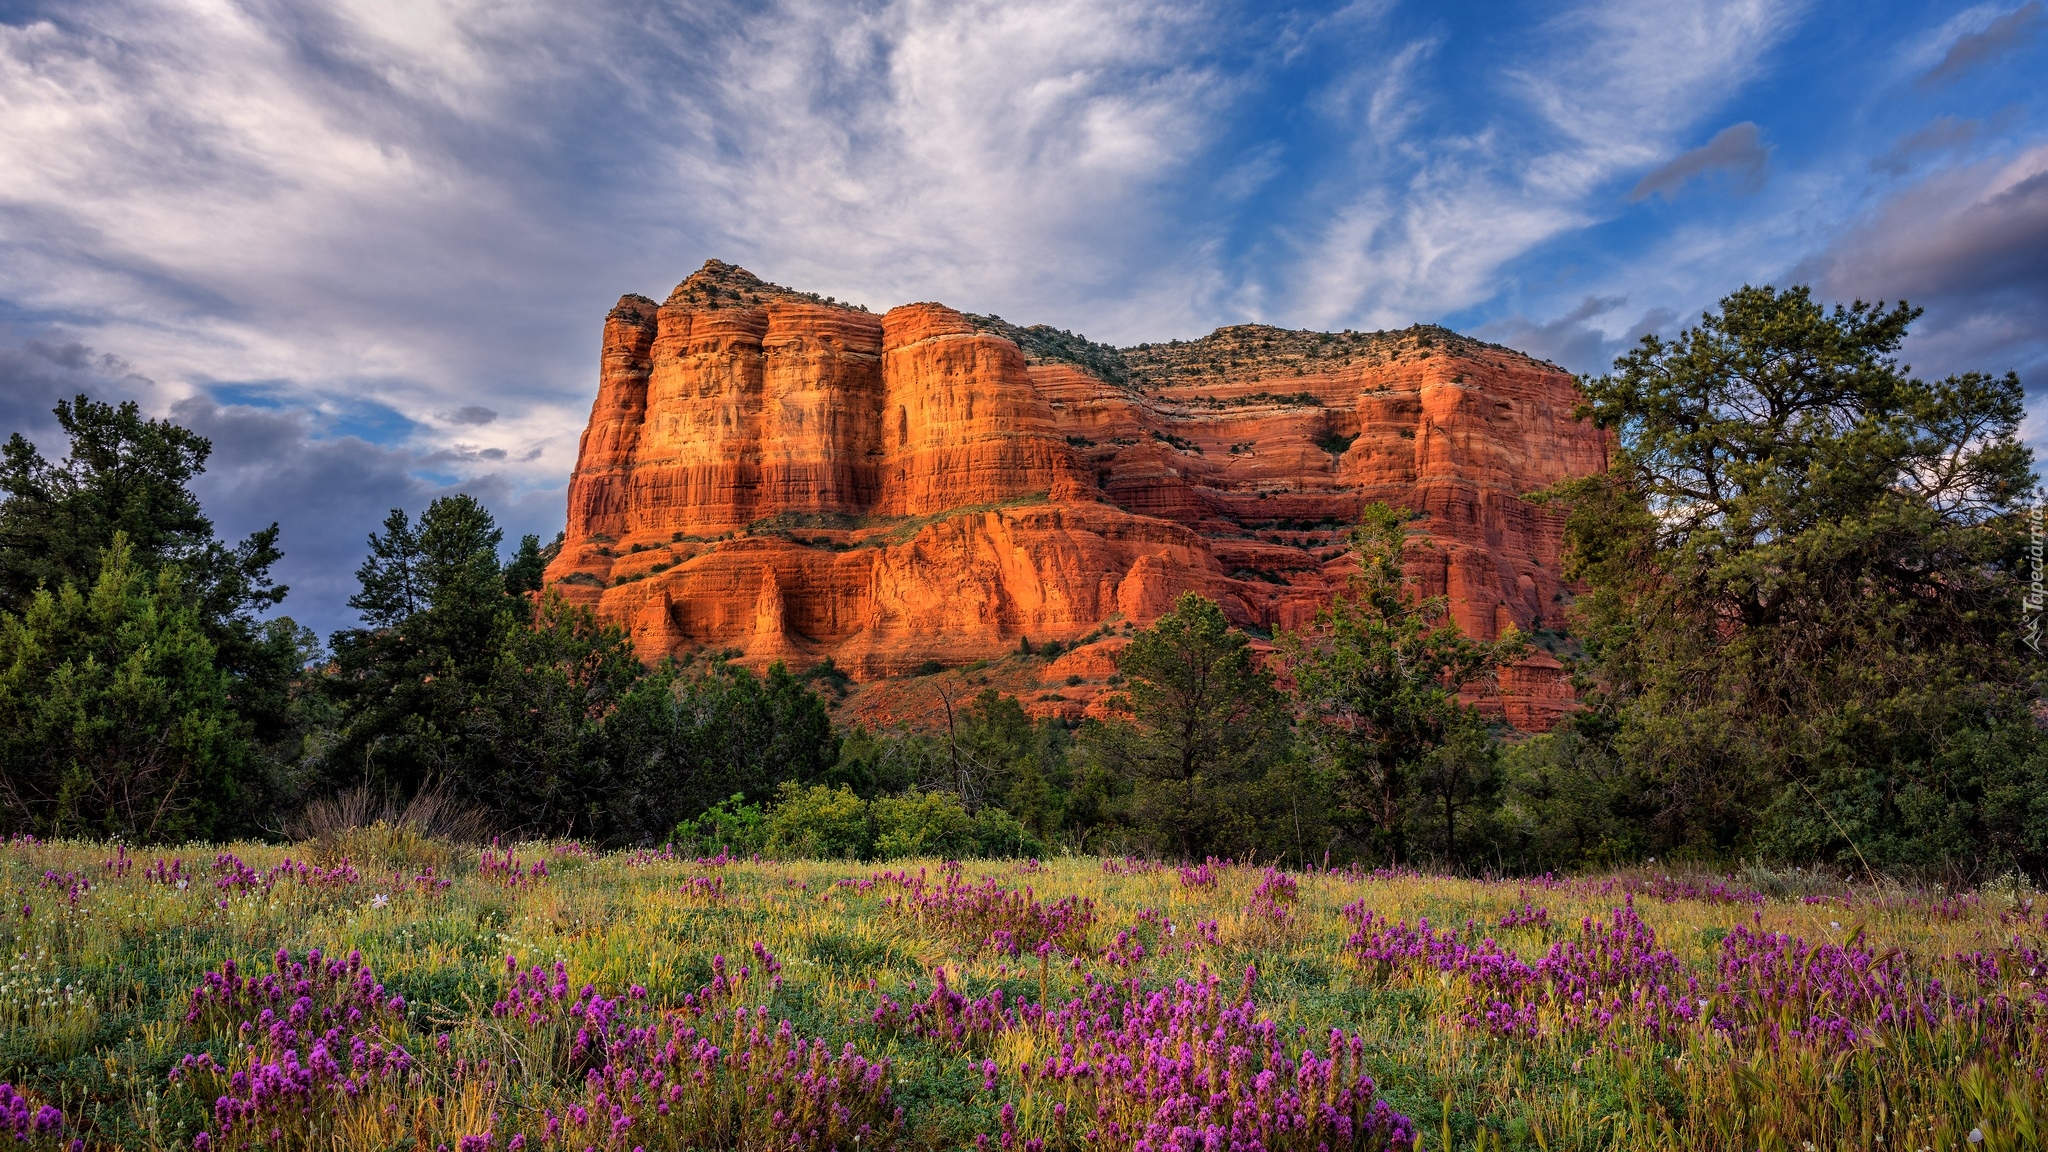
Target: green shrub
x=997 y=833
x=829 y=823
x=114 y=719
x=731 y=824
x=922 y=824
x=818 y=822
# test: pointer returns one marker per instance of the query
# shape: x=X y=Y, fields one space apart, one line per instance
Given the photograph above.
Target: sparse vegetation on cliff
x=719 y=284
x=1257 y=351
x=1042 y=343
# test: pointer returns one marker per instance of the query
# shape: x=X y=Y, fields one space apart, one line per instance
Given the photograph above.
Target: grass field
x=385 y=991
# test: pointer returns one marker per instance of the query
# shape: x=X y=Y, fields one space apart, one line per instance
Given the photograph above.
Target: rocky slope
x=794 y=478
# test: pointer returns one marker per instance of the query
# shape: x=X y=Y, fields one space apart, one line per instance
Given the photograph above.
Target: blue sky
x=366 y=245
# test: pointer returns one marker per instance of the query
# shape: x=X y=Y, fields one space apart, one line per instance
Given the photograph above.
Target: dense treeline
x=1803 y=632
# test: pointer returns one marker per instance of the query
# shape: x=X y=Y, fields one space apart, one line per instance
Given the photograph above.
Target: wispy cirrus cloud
x=1598 y=89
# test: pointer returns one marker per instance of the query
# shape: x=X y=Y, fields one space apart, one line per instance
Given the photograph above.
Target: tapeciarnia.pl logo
x=2037 y=595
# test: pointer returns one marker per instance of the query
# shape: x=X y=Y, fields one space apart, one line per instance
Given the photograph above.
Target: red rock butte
x=795 y=478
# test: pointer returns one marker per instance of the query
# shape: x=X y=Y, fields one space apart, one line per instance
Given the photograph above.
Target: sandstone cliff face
x=794 y=478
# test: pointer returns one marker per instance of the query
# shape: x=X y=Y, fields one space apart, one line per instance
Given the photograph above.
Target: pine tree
x=1377 y=680
x=130 y=476
x=115 y=719
x=1805 y=584
x=1205 y=723
x=412 y=682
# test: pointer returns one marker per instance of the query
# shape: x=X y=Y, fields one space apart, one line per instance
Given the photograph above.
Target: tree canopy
x=1804 y=578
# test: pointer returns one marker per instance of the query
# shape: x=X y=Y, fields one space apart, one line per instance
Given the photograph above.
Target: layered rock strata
x=794 y=478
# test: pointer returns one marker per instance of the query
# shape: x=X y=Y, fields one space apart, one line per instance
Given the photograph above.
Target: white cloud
x=230 y=192
x=982 y=153
x=306 y=193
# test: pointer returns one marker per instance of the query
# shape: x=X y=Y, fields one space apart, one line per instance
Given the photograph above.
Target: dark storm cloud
x=38 y=372
x=1736 y=149
x=1973 y=49
x=325 y=495
x=1571 y=341
x=1970 y=244
x=326 y=492
x=1975 y=235
x=475 y=415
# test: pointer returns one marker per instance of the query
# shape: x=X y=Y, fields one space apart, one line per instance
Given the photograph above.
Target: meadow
x=382 y=990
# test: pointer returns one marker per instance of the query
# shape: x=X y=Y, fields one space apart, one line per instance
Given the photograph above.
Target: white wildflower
x=1976 y=1135
x=379 y=900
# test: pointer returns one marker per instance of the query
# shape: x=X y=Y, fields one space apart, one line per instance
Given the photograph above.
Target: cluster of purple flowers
x=704 y=887
x=320 y=1040
x=569 y=1031
x=728 y=1078
x=1529 y=915
x=30 y=1123
x=1612 y=970
x=232 y=875
x=505 y=868
x=642 y=1072
x=713 y=1073
x=1778 y=988
x=990 y=915
x=1203 y=875
x=1129 y=866
x=1179 y=1069
x=174 y=874
x=1277 y=887
x=424 y=880
x=312 y=875
x=75 y=886
x=282 y=1004
x=1768 y=989
x=1271 y=910
x=948 y=1018
x=121 y=864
